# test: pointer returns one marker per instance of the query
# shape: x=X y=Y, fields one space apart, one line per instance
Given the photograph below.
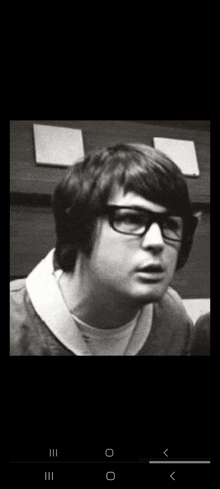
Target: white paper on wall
x=197 y=307
x=59 y=146
x=181 y=152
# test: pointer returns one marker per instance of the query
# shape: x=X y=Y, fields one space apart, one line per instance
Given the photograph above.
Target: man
x=124 y=224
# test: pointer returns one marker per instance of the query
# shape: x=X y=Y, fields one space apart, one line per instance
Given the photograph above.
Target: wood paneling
x=198 y=125
x=32 y=235
x=27 y=177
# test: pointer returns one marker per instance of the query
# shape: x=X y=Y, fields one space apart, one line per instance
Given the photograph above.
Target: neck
x=93 y=303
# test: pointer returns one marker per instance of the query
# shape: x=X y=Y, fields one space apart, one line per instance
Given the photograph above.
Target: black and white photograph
x=110 y=238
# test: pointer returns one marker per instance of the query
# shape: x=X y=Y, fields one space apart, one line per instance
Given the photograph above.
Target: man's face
x=121 y=263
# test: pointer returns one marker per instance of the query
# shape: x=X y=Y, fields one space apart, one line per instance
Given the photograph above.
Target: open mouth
x=152 y=269
x=152 y=273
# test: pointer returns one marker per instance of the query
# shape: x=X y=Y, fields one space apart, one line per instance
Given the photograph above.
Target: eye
x=129 y=217
x=172 y=223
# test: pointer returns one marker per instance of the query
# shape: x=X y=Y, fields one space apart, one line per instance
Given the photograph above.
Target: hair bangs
x=138 y=170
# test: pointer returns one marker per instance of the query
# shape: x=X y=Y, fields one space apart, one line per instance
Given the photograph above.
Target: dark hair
x=84 y=192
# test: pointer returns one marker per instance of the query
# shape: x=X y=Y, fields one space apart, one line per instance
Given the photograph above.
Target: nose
x=153 y=238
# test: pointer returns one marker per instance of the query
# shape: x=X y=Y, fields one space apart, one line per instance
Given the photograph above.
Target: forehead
x=132 y=199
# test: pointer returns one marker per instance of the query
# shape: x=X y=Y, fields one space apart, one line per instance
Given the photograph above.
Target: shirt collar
x=47 y=300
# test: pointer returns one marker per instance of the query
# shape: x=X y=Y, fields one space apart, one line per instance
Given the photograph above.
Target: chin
x=150 y=294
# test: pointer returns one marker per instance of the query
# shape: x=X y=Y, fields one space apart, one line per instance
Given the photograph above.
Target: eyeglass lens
x=128 y=221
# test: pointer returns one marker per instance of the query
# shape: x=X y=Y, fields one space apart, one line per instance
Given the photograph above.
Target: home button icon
x=109 y=452
x=110 y=476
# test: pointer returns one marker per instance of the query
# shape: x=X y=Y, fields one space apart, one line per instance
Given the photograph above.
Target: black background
x=139 y=402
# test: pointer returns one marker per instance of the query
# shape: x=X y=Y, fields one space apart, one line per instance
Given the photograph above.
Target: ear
x=194 y=221
x=198 y=216
x=189 y=233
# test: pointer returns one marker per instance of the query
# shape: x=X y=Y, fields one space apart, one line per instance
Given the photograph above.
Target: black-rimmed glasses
x=136 y=221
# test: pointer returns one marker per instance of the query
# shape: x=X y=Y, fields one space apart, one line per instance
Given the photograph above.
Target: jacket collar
x=48 y=302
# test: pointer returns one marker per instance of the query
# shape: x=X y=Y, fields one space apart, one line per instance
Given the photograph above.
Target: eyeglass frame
x=110 y=211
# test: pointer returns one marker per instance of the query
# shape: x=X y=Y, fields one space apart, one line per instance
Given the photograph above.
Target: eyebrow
x=139 y=208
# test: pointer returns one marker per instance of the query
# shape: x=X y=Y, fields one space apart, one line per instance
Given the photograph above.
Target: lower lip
x=152 y=276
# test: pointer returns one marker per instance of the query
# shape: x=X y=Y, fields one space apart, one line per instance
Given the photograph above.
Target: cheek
x=110 y=253
x=171 y=257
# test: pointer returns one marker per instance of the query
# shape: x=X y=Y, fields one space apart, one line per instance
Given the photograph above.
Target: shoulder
x=17 y=293
x=18 y=314
x=172 y=304
x=201 y=343
x=172 y=325
x=203 y=323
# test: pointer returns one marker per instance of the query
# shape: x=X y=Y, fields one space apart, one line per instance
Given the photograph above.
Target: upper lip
x=152 y=267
